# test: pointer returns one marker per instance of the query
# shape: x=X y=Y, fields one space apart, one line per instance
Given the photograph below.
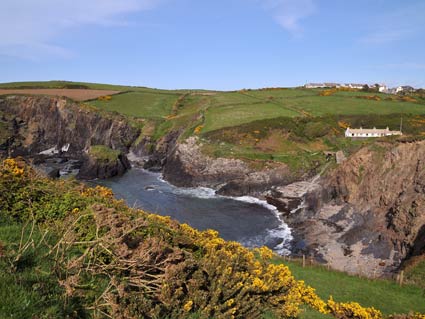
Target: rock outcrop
x=187 y=166
x=96 y=168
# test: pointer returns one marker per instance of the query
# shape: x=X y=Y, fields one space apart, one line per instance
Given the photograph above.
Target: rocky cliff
x=52 y=125
x=187 y=166
x=367 y=215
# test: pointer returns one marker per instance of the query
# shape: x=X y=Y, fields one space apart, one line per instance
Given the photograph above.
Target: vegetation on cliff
x=67 y=250
x=104 y=153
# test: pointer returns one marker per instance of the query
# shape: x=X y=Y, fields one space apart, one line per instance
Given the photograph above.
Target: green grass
x=30 y=290
x=104 y=153
x=236 y=108
x=321 y=105
x=415 y=271
x=70 y=84
x=384 y=295
x=338 y=103
x=233 y=115
x=140 y=104
x=94 y=86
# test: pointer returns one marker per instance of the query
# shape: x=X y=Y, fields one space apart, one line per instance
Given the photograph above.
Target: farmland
x=74 y=94
x=140 y=104
x=290 y=125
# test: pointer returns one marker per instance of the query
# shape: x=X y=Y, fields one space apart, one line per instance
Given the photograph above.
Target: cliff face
x=46 y=122
x=367 y=215
x=49 y=123
x=388 y=181
x=187 y=166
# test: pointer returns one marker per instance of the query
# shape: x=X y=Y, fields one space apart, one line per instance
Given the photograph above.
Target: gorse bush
x=119 y=262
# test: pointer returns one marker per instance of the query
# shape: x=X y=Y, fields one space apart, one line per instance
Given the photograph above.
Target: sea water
x=246 y=219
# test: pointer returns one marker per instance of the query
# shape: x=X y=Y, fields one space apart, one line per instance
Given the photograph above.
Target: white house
x=314 y=85
x=383 y=88
x=405 y=88
x=356 y=86
x=363 y=133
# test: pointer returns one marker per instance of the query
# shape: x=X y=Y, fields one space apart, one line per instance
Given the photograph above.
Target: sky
x=213 y=44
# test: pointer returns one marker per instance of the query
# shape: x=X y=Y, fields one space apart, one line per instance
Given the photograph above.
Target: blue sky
x=213 y=44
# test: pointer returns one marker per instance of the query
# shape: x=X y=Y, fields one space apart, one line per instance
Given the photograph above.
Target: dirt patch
x=75 y=94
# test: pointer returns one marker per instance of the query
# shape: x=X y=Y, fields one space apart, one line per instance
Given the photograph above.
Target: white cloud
x=289 y=13
x=29 y=27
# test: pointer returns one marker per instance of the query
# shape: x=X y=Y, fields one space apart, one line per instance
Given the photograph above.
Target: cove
x=247 y=220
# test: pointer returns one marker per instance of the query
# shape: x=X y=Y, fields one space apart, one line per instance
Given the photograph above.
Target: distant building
x=332 y=85
x=405 y=89
x=392 y=91
x=383 y=88
x=356 y=86
x=363 y=133
x=314 y=85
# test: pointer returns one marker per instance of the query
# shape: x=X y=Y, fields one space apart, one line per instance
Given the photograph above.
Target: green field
x=384 y=295
x=233 y=115
x=140 y=104
x=69 y=84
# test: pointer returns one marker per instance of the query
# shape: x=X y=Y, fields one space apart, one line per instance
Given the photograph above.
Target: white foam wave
x=282 y=232
x=254 y=200
x=200 y=192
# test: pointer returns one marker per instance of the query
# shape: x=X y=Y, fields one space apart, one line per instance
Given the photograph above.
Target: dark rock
x=54 y=173
x=93 y=168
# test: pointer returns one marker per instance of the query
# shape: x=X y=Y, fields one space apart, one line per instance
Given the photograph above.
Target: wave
x=199 y=192
x=282 y=232
x=254 y=200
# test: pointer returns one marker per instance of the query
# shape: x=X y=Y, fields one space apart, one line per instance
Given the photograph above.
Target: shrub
x=104 y=98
